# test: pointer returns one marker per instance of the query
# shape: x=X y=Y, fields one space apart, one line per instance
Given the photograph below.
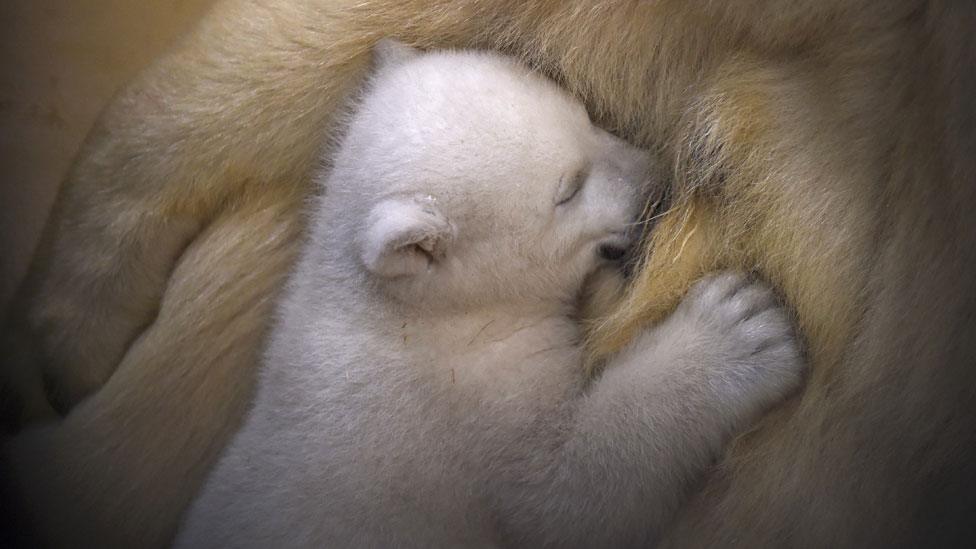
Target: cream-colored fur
x=423 y=383
x=826 y=144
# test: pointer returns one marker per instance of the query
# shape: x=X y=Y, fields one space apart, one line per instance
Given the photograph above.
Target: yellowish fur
x=827 y=145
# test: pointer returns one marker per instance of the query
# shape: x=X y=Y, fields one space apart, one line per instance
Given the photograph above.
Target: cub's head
x=466 y=179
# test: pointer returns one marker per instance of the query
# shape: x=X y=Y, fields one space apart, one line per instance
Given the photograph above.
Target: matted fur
x=827 y=145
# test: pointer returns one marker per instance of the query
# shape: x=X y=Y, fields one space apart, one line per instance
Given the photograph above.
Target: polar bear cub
x=424 y=386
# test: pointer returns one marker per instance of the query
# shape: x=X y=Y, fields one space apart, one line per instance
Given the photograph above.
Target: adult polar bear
x=825 y=143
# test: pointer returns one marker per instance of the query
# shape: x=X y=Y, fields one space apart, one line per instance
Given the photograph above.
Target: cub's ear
x=405 y=236
x=389 y=53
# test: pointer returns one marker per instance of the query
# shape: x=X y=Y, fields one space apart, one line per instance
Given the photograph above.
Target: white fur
x=424 y=384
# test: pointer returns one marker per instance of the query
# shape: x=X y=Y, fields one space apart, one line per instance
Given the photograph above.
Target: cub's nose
x=612 y=251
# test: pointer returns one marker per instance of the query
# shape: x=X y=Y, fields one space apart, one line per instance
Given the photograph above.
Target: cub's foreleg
x=659 y=415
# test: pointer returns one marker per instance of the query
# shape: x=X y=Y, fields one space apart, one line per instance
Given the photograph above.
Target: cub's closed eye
x=569 y=186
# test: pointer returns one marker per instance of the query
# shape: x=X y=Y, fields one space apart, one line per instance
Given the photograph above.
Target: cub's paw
x=745 y=335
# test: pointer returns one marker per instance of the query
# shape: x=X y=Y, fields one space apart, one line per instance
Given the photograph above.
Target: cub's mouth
x=657 y=202
x=618 y=251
